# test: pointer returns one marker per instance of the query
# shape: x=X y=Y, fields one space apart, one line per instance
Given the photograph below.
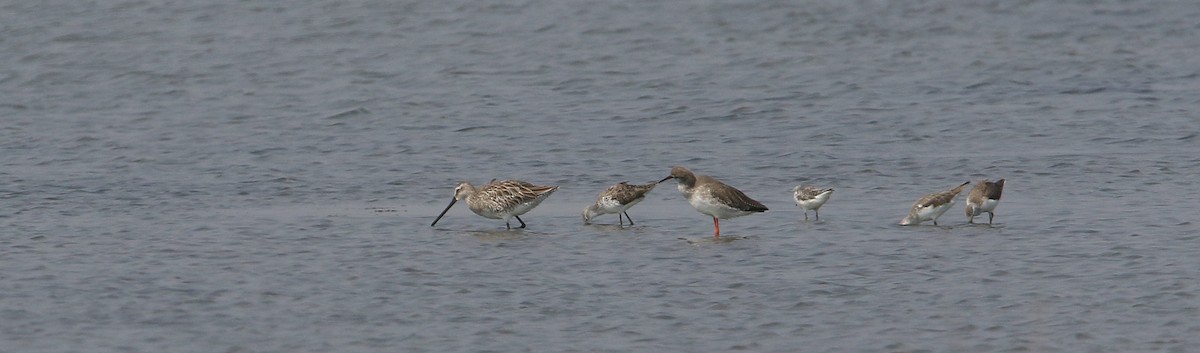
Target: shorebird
x=932 y=206
x=984 y=198
x=503 y=199
x=617 y=199
x=712 y=197
x=811 y=197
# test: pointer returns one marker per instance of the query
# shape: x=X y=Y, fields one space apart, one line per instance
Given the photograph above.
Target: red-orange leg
x=717 y=227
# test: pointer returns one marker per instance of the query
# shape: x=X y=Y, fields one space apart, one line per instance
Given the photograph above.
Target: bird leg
x=630 y=218
x=522 y=222
x=717 y=227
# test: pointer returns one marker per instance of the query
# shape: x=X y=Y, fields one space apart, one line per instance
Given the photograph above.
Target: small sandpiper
x=984 y=198
x=932 y=206
x=713 y=198
x=810 y=198
x=617 y=199
x=503 y=199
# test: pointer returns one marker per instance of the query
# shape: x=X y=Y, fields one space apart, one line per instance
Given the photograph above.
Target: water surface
x=258 y=177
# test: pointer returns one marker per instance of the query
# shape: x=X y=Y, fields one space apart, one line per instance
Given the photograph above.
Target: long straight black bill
x=665 y=179
x=452 y=201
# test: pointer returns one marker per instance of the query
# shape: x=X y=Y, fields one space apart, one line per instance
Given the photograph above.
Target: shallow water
x=253 y=177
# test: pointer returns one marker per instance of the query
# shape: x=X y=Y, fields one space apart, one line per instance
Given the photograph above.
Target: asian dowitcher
x=617 y=199
x=984 y=198
x=503 y=199
x=932 y=206
x=712 y=197
x=810 y=198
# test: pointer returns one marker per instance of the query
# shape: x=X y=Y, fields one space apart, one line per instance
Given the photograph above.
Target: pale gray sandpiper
x=617 y=199
x=503 y=199
x=932 y=206
x=984 y=198
x=712 y=197
x=810 y=198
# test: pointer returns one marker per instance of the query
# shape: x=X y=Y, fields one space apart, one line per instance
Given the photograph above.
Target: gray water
x=260 y=176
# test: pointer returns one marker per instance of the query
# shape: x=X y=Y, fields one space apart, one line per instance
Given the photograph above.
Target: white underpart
x=815 y=202
x=524 y=207
x=488 y=212
x=517 y=210
x=927 y=213
x=989 y=205
x=610 y=205
x=711 y=206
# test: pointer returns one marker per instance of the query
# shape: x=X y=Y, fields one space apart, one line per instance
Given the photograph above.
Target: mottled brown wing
x=625 y=193
x=733 y=197
x=977 y=193
x=941 y=198
x=809 y=192
x=508 y=193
